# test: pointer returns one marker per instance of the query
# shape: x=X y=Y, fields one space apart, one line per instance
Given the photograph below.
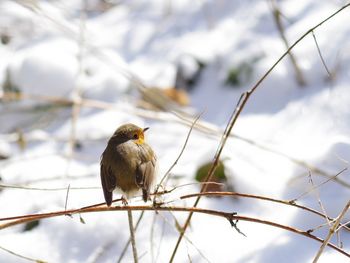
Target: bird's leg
x=157 y=203
x=157 y=200
x=124 y=200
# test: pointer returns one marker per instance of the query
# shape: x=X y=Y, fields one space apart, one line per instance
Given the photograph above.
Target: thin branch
x=19 y=187
x=328 y=223
x=228 y=216
x=54 y=178
x=321 y=57
x=236 y=113
x=66 y=202
x=121 y=256
x=21 y=256
x=294 y=160
x=185 y=236
x=100 y=251
x=210 y=173
x=106 y=59
x=331 y=232
x=179 y=156
x=132 y=236
x=319 y=200
x=202 y=126
x=319 y=185
x=344 y=225
x=277 y=17
x=151 y=237
x=264 y=198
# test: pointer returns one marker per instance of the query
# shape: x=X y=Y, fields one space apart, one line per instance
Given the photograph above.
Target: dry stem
x=240 y=105
x=128 y=242
x=201 y=126
x=132 y=236
x=229 y=216
x=332 y=230
x=320 y=54
x=277 y=17
x=264 y=198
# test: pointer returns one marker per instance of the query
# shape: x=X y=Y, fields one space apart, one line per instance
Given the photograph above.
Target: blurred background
x=71 y=72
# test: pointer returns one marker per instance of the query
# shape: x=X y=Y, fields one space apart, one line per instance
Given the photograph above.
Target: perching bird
x=127 y=163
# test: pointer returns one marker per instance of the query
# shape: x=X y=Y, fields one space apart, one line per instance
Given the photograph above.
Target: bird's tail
x=145 y=195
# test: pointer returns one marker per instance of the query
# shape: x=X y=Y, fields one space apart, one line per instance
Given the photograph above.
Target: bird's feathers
x=108 y=183
x=145 y=176
x=127 y=165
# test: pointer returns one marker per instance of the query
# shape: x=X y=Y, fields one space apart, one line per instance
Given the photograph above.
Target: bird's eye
x=135 y=136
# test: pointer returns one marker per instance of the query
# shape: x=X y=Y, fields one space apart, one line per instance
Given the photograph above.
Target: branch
x=277 y=17
x=236 y=113
x=132 y=236
x=332 y=230
x=228 y=216
x=21 y=256
x=264 y=198
x=128 y=242
x=321 y=57
x=201 y=126
x=179 y=156
x=314 y=187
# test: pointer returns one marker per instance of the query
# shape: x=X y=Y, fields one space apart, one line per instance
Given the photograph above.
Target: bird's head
x=128 y=132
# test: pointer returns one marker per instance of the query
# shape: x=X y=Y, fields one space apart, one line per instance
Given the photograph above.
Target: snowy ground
x=54 y=49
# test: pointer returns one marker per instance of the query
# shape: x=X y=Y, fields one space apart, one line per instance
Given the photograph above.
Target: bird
x=128 y=163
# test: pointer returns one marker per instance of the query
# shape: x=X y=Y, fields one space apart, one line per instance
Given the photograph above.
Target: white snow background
x=76 y=49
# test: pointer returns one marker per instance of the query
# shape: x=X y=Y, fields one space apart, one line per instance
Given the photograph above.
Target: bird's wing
x=145 y=175
x=108 y=182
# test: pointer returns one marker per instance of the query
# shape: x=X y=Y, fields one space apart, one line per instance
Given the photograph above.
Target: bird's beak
x=145 y=129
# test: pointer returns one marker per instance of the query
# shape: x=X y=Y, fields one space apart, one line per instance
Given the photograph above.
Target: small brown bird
x=127 y=163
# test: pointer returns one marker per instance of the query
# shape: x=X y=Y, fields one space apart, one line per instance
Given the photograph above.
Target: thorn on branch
x=81 y=219
x=157 y=204
x=292 y=202
x=309 y=231
x=234 y=223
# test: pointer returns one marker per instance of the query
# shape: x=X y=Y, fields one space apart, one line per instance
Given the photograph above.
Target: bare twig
x=319 y=185
x=228 y=216
x=121 y=256
x=185 y=236
x=331 y=232
x=277 y=17
x=19 y=187
x=66 y=202
x=151 y=237
x=21 y=256
x=201 y=126
x=179 y=156
x=321 y=57
x=319 y=200
x=264 y=198
x=54 y=178
x=236 y=113
x=328 y=223
x=227 y=131
x=344 y=225
x=132 y=236
x=100 y=252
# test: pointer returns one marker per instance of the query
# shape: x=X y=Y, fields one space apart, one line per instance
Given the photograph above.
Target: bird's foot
x=124 y=200
x=157 y=202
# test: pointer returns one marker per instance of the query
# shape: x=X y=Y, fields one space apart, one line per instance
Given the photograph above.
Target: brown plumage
x=127 y=163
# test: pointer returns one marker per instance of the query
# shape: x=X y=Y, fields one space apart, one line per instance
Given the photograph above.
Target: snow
x=55 y=51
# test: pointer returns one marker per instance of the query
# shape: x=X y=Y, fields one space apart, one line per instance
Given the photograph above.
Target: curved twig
x=236 y=113
x=265 y=198
x=229 y=216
